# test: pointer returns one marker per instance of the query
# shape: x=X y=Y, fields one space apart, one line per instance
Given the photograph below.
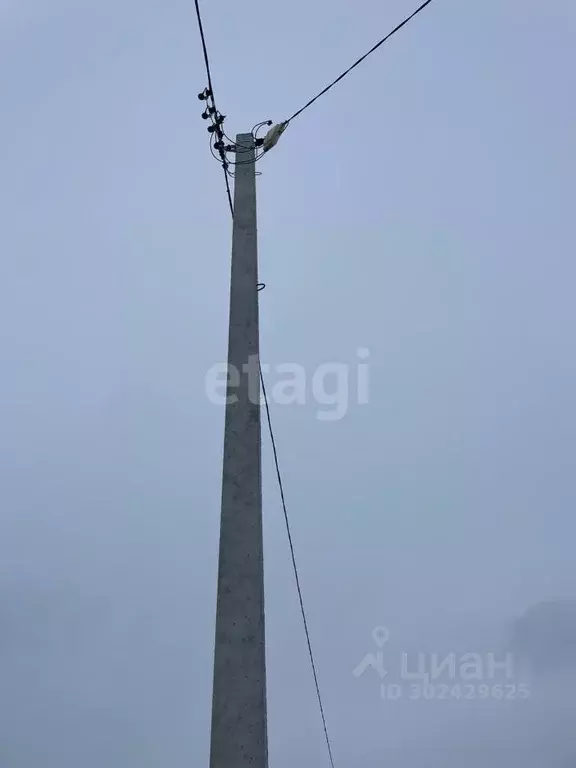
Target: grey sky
x=421 y=210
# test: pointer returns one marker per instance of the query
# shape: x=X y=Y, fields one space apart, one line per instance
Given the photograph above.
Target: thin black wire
x=292 y=553
x=360 y=60
x=226 y=174
x=204 y=49
x=230 y=203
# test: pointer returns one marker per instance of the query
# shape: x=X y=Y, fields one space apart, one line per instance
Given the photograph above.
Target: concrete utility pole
x=239 y=730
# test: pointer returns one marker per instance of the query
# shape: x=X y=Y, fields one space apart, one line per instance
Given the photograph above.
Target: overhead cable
x=211 y=111
x=359 y=61
x=295 y=568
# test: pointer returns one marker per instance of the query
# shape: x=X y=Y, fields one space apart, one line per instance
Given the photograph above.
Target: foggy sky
x=422 y=211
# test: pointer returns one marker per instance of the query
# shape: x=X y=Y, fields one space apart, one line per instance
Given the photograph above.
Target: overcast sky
x=422 y=210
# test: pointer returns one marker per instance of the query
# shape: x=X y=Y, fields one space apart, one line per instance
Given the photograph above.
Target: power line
x=217 y=125
x=230 y=203
x=295 y=567
x=360 y=60
x=204 y=48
